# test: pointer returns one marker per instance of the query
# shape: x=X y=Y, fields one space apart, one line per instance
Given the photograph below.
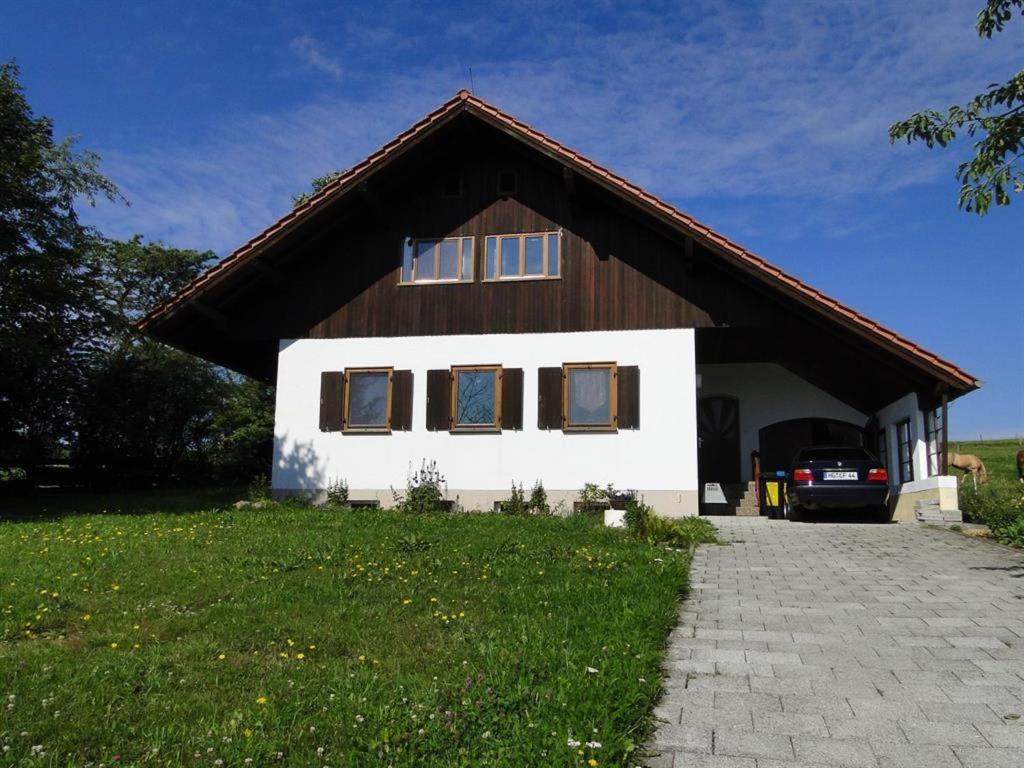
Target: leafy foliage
x=645 y=525
x=425 y=491
x=78 y=383
x=337 y=493
x=996 y=115
x=1000 y=506
x=539 y=500
x=50 y=316
x=317 y=184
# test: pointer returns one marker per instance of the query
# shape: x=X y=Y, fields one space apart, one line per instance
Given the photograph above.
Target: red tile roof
x=464 y=101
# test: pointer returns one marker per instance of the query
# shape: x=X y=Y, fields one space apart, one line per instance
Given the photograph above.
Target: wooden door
x=718 y=440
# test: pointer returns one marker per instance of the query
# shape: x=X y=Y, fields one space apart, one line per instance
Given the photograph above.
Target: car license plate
x=840 y=475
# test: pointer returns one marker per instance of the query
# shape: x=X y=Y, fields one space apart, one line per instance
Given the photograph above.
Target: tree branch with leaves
x=996 y=117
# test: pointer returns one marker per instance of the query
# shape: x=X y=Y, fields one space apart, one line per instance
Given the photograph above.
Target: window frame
x=933 y=441
x=453 y=406
x=413 y=242
x=613 y=398
x=545 y=273
x=902 y=427
x=384 y=429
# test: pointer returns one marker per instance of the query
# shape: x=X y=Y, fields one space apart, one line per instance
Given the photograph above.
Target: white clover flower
x=572 y=743
x=593 y=744
x=591 y=671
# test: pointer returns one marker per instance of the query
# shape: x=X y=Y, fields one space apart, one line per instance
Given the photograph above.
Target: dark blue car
x=837 y=477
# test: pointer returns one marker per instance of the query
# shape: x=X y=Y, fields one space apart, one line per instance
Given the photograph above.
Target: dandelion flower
x=300 y=656
x=87 y=617
x=592 y=763
x=261 y=700
x=113 y=645
x=221 y=657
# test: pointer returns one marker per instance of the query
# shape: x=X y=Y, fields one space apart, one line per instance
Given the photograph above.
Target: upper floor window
x=536 y=255
x=448 y=260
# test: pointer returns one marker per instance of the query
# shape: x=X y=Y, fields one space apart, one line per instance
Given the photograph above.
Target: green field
x=298 y=636
x=999 y=456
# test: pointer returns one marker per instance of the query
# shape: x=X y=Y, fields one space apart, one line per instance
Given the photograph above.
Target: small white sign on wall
x=713 y=494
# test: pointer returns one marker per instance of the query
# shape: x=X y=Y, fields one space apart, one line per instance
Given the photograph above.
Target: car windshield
x=833 y=454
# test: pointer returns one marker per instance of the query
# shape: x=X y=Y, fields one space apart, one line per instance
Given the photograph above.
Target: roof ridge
x=464 y=99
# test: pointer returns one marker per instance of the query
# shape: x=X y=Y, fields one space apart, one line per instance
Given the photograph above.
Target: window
x=905 y=454
x=448 y=260
x=883 y=447
x=367 y=400
x=531 y=256
x=933 y=436
x=589 y=397
x=476 y=397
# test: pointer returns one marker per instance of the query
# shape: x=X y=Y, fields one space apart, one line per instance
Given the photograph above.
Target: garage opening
x=779 y=442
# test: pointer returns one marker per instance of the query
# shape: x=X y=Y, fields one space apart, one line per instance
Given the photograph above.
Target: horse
x=971 y=464
x=1020 y=466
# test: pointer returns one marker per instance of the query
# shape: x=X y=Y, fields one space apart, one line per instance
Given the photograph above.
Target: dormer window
x=528 y=256
x=448 y=260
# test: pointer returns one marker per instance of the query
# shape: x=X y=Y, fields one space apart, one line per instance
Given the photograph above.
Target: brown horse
x=1020 y=466
x=970 y=463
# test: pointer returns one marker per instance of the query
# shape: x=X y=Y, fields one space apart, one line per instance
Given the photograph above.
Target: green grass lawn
x=297 y=636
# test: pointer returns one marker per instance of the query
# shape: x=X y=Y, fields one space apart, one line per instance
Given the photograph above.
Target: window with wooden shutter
x=549 y=398
x=512 y=398
x=590 y=400
x=629 y=397
x=438 y=400
x=476 y=399
x=332 y=394
x=367 y=400
x=401 y=401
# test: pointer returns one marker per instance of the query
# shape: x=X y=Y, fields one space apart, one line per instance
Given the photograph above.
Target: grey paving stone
x=805 y=642
x=891 y=755
x=736 y=743
x=989 y=757
x=950 y=734
x=842 y=753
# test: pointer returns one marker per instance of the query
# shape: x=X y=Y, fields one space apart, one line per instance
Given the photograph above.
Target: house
x=477 y=294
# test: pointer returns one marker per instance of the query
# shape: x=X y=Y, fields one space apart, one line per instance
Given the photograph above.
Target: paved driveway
x=846 y=645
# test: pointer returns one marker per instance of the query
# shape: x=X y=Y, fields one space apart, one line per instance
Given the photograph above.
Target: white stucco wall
x=660 y=457
x=904 y=408
x=769 y=393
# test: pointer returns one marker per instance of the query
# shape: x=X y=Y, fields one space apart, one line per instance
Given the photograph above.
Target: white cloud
x=787 y=102
x=309 y=50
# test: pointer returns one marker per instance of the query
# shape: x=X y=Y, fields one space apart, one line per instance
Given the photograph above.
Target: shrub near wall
x=1000 y=506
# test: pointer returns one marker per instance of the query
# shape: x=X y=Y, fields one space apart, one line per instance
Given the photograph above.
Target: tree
x=50 y=317
x=997 y=115
x=149 y=412
x=317 y=184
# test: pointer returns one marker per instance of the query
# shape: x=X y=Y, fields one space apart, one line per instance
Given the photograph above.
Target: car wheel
x=791 y=513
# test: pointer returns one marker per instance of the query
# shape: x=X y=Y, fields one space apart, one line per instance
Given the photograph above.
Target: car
x=837 y=477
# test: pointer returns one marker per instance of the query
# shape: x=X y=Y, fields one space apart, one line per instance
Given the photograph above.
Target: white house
x=476 y=294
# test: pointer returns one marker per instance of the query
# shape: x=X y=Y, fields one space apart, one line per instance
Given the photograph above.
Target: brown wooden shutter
x=629 y=397
x=512 y=398
x=549 y=398
x=439 y=400
x=401 y=401
x=332 y=399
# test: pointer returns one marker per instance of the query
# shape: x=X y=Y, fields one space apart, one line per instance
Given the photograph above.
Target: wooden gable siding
x=616 y=274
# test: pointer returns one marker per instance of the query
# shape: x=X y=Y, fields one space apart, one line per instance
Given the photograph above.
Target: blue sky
x=765 y=120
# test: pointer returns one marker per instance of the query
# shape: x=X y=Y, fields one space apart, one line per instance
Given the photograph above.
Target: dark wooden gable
x=622 y=269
